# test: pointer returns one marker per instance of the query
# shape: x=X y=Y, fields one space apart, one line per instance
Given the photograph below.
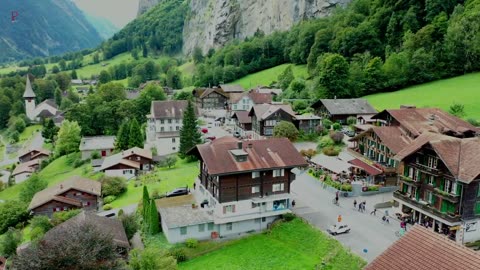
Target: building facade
x=210 y=98
x=266 y=116
x=128 y=163
x=339 y=110
x=103 y=145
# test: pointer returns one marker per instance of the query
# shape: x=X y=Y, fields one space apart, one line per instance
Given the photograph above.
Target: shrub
x=10 y=241
x=130 y=224
x=11 y=214
x=330 y=151
x=113 y=185
x=325 y=141
x=373 y=188
x=41 y=222
x=179 y=254
x=95 y=155
x=327 y=124
x=337 y=136
x=346 y=187
x=337 y=126
x=59 y=217
x=107 y=207
x=77 y=163
x=191 y=243
x=351 y=120
x=109 y=199
x=288 y=216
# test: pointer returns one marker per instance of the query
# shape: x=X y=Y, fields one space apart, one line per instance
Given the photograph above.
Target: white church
x=46 y=109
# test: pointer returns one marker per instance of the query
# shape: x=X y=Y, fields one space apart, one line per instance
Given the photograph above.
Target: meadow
x=268 y=76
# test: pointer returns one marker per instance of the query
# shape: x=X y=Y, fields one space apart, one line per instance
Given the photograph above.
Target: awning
x=371 y=170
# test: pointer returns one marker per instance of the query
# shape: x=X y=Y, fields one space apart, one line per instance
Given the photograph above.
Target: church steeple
x=28 y=90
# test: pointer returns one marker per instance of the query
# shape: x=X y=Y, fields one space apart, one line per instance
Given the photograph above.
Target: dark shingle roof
x=263 y=111
x=421 y=248
x=346 y=106
x=97 y=143
x=242 y=117
x=28 y=90
x=232 y=88
x=168 y=109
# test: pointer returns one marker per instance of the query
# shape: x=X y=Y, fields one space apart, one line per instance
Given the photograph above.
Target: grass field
x=181 y=175
x=267 y=76
x=57 y=171
x=441 y=94
x=27 y=134
x=290 y=245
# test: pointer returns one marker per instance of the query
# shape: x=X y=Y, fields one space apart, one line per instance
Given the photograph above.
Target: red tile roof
x=262 y=154
x=421 y=248
x=371 y=170
x=242 y=117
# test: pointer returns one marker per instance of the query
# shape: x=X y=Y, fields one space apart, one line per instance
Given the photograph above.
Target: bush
x=325 y=141
x=346 y=187
x=77 y=163
x=11 y=214
x=337 y=136
x=95 y=155
x=36 y=234
x=41 y=222
x=60 y=217
x=130 y=224
x=288 y=216
x=191 y=243
x=9 y=242
x=113 y=185
x=109 y=199
x=179 y=254
x=337 y=126
x=330 y=151
x=107 y=207
x=327 y=124
x=373 y=188
x=351 y=120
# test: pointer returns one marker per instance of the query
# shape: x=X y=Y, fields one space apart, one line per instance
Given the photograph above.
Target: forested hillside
x=371 y=46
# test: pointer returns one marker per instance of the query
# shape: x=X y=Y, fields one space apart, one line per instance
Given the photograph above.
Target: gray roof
x=28 y=90
x=121 y=158
x=97 y=143
x=232 y=88
x=307 y=117
x=180 y=216
x=263 y=111
x=133 y=94
x=97 y=162
x=168 y=109
x=334 y=164
x=346 y=106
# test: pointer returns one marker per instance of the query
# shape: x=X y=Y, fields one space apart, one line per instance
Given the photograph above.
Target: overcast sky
x=119 y=12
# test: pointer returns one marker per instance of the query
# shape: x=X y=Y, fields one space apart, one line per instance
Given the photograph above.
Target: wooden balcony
x=409 y=181
x=425 y=168
x=426 y=207
x=446 y=196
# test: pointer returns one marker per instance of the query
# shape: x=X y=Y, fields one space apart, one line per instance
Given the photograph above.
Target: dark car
x=178 y=192
x=236 y=134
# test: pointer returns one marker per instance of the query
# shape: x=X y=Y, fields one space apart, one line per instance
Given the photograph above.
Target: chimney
x=240 y=145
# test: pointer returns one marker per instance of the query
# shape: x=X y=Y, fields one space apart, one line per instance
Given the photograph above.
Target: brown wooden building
x=339 y=110
x=128 y=163
x=33 y=154
x=266 y=116
x=74 y=193
x=243 y=122
x=210 y=98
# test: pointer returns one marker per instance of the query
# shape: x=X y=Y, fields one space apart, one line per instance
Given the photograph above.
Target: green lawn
x=57 y=171
x=27 y=134
x=290 y=245
x=267 y=76
x=183 y=174
x=9 y=69
x=441 y=94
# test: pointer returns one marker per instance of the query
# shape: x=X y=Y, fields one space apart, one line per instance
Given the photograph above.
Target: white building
x=46 y=109
x=245 y=101
x=163 y=126
x=127 y=163
x=104 y=145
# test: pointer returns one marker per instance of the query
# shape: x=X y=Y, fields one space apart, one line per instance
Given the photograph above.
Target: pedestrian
x=293 y=203
x=374 y=212
x=355 y=204
x=364 y=204
x=360 y=207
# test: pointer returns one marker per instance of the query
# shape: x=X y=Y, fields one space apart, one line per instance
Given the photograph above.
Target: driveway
x=368 y=236
x=129 y=209
x=213 y=130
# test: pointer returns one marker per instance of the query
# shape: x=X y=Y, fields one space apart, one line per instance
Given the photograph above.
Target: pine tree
x=58 y=96
x=74 y=74
x=146 y=199
x=189 y=134
x=135 y=135
x=154 y=222
x=122 y=140
x=49 y=130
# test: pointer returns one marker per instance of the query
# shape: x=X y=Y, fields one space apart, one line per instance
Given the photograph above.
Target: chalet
x=439 y=181
x=339 y=110
x=128 y=163
x=210 y=98
x=307 y=123
x=24 y=170
x=74 y=193
x=108 y=226
x=243 y=122
x=266 y=116
x=33 y=154
x=245 y=101
x=163 y=126
x=103 y=145
x=421 y=248
x=242 y=186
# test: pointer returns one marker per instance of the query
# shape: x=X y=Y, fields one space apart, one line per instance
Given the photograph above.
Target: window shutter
x=233 y=208
x=224 y=209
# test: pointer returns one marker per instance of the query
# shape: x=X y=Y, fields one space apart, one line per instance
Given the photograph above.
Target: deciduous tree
x=286 y=130
x=68 y=138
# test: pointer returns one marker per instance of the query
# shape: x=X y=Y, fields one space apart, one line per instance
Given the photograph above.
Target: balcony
x=409 y=181
x=425 y=168
x=446 y=196
x=450 y=217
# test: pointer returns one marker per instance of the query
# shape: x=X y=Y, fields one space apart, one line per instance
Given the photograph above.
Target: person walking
x=364 y=204
x=360 y=207
x=374 y=212
x=355 y=204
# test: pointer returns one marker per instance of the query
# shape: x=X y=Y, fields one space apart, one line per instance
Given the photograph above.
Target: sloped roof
x=334 y=164
x=75 y=182
x=460 y=156
x=348 y=106
x=419 y=120
x=263 y=111
x=421 y=248
x=168 y=109
x=26 y=167
x=268 y=90
x=262 y=154
x=49 y=102
x=259 y=98
x=97 y=143
x=391 y=136
x=232 y=88
x=371 y=170
x=28 y=90
x=184 y=215
x=242 y=117
x=35 y=152
x=121 y=158
x=112 y=226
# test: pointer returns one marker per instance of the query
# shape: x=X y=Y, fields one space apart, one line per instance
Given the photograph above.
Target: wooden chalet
x=266 y=116
x=210 y=98
x=339 y=110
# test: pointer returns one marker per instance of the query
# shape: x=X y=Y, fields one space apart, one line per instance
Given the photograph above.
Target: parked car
x=338 y=229
x=236 y=134
x=178 y=192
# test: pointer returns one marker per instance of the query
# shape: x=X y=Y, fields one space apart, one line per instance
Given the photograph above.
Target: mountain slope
x=44 y=28
x=104 y=27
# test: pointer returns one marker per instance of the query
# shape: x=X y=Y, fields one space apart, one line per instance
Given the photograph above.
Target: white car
x=338 y=229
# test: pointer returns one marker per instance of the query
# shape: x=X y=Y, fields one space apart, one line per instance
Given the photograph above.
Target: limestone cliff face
x=145 y=5
x=213 y=23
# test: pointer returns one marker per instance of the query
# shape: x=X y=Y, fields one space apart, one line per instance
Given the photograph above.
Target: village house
x=128 y=163
x=210 y=98
x=33 y=154
x=242 y=186
x=243 y=123
x=24 y=170
x=74 y=193
x=339 y=110
x=46 y=109
x=108 y=226
x=266 y=116
x=76 y=82
x=103 y=145
x=231 y=88
x=163 y=126
x=265 y=90
x=307 y=123
x=439 y=184
x=421 y=248
x=244 y=101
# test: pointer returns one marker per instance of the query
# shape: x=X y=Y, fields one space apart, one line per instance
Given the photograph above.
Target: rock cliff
x=213 y=23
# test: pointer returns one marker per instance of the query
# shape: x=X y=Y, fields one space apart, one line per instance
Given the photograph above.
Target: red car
x=204 y=130
x=211 y=138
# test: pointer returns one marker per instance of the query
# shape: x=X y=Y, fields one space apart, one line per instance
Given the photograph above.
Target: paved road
x=6 y=160
x=367 y=231
x=217 y=131
x=129 y=209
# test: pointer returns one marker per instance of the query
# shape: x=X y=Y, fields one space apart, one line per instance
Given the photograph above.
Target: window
x=448 y=186
x=229 y=226
x=429 y=197
x=264 y=219
x=255 y=189
x=183 y=230
x=431 y=180
x=161 y=121
x=210 y=226
x=270 y=123
x=177 y=128
x=173 y=140
x=278 y=173
x=277 y=187
x=169 y=121
x=229 y=209
x=255 y=174
x=201 y=227
x=162 y=129
x=432 y=162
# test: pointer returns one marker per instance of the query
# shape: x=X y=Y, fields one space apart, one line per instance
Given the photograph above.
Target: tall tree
x=189 y=134
x=104 y=77
x=122 y=140
x=152 y=92
x=334 y=75
x=154 y=222
x=68 y=138
x=286 y=77
x=58 y=96
x=49 y=130
x=135 y=135
x=286 y=130
x=74 y=74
